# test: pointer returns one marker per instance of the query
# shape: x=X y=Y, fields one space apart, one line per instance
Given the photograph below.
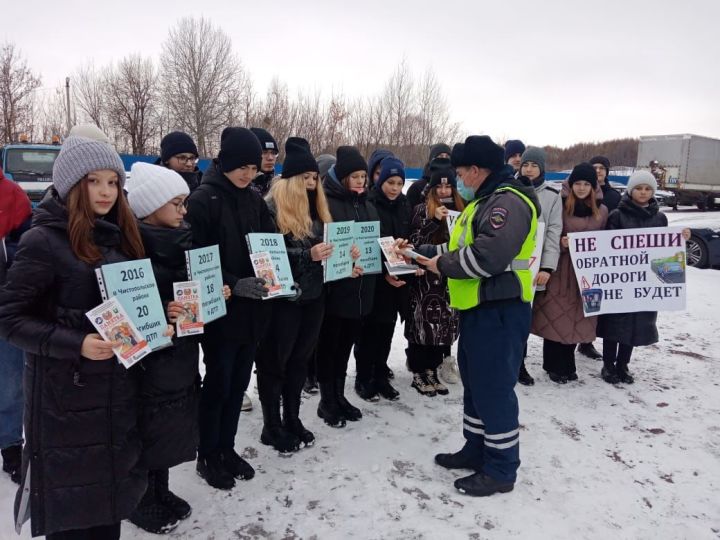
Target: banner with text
x=629 y=270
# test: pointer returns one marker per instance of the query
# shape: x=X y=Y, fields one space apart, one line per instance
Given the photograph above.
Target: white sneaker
x=448 y=370
x=247 y=403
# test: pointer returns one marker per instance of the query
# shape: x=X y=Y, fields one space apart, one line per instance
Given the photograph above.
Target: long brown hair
x=81 y=221
x=293 y=207
x=591 y=203
x=432 y=202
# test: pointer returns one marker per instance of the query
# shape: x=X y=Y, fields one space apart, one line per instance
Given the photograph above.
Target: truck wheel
x=701 y=205
x=696 y=252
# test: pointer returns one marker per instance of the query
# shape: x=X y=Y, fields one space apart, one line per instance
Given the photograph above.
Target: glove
x=250 y=287
x=297 y=290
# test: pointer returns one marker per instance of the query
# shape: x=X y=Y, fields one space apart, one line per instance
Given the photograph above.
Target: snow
x=598 y=461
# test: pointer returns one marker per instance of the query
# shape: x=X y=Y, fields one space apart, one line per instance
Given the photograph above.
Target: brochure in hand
x=264 y=269
x=113 y=324
x=189 y=295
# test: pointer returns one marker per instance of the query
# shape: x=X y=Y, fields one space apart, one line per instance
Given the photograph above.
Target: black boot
x=482 y=485
x=557 y=377
x=214 y=472
x=329 y=408
x=623 y=374
x=311 y=385
x=366 y=390
x=235 y=465
x=349 y=411
x=273 y=432
x=608 y=373
x=152 y=516
x=524 y=377
x=458 y=460
x=589 y=350
x=387 y=390
x=167 y=498
x=12 y=462
x=291 y=419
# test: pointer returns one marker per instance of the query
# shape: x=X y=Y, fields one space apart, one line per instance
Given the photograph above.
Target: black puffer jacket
x=220 y=213
x=350 y=298
x=611 y=196
x=638 y=328
x=395 y=219
x=169 y=387
x=83 y=445
x=308 y=274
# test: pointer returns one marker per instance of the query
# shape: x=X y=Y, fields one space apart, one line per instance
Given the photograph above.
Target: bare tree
x=132 y=101
x=202 y=80
x=89 y=93
x=399 y=100
x=17 y=84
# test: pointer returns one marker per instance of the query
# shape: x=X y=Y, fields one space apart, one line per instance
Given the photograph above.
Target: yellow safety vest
x=465 y=293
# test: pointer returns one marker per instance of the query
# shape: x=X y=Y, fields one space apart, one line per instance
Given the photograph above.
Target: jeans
x=11 y=395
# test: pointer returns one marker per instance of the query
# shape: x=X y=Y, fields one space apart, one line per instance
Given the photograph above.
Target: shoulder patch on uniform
x=498 y=217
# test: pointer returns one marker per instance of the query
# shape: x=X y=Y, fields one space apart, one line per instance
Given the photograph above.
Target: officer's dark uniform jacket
x=500 y=224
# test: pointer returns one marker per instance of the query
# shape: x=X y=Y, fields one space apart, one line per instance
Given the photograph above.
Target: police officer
x=487 y=266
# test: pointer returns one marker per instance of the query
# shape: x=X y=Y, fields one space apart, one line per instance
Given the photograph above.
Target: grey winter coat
x=551 y=203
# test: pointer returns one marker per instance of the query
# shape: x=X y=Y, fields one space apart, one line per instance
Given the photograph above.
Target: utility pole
x=67 y=103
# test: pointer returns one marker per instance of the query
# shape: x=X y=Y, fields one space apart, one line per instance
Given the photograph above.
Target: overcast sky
x=548 y=72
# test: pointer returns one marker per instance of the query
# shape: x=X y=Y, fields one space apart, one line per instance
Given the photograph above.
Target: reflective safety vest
x=465 y=293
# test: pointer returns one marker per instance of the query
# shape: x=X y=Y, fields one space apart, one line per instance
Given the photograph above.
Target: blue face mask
x=465 y=192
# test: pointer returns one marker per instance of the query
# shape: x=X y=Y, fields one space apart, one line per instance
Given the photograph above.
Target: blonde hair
x=293 y=208
x=592 y=203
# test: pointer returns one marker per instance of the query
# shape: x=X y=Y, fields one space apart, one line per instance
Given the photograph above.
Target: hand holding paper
x=94 y=347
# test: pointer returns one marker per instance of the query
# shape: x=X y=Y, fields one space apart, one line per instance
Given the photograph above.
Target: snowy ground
x=636 y=462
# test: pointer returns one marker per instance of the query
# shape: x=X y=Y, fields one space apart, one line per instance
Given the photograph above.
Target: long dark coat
x=80 y=461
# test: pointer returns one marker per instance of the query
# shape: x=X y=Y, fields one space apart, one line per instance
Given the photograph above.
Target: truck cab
x=30 y=166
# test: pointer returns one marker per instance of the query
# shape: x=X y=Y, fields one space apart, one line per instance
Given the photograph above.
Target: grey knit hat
x=642 y=177
x=325 y=161
x=536 y=155
x=80 y=156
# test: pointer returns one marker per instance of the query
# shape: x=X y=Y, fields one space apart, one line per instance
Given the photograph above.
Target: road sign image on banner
x=340 y=264
x=366 y=236
x=133 y=284
x=203 y=265
x=629 y=270
x=274 y=244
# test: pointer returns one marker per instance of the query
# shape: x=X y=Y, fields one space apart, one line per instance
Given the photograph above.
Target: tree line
x=199 y=85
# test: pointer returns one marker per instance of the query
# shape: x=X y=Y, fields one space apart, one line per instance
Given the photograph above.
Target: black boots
x=12 y=462
x=482 y=485
x=349 y=411
x=235 y=465
x=589 y=350
x=329 y=408
x=623 y=373
x=151 y=515
x=273 y=432
x=366 y=390
x=167 y=498
x=291 y=419
x=212 y=470
x=524 y=377
x=386 y=390
x=458 y=460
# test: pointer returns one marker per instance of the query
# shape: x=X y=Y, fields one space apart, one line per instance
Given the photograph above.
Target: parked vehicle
x=703 y=248
x=30 y=166
x=686 y=165
x=666 y=198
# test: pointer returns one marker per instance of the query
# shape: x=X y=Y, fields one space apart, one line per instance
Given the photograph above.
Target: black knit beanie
x=390 y=166
x=512 y=147
x=298 y=158
x=174 y=143
x=267 y=142
x=442 y=174
x=238 y=147
x=583 y=171
x=602 y=160
x=349 y=160
x=436 y=149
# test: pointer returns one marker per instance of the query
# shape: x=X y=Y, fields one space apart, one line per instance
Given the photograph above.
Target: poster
x=264 y=268
x=203 y=266
x=340 y=264
x=113 y=324
x=274 y=244
x=366 y=237
x=189 y=295
x=133 y=284
x=629 y=270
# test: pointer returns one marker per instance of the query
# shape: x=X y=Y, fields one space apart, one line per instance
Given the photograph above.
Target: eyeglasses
x=180 y=205
x=186 y=159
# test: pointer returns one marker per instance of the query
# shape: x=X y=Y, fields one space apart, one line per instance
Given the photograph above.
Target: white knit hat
x=152 y=186
x=641 y=177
